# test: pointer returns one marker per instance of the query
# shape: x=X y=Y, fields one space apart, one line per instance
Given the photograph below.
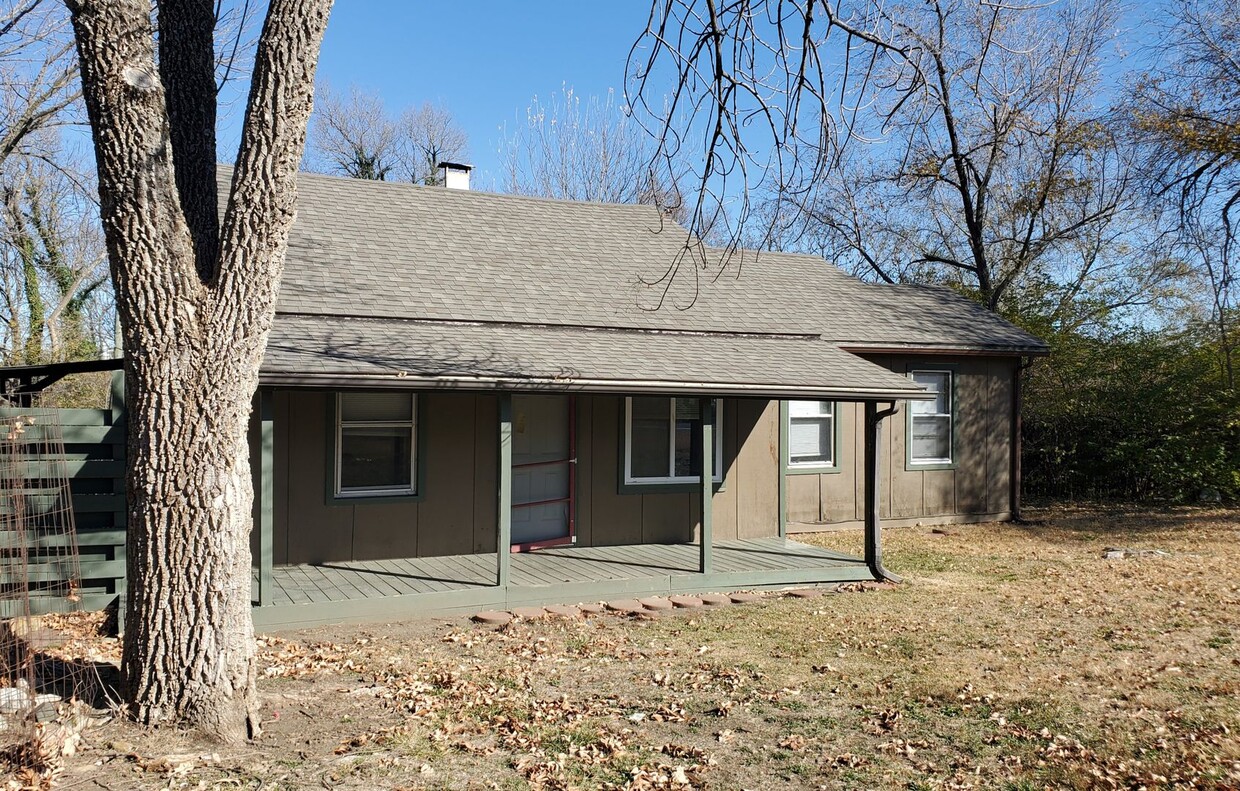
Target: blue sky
x=484 y=60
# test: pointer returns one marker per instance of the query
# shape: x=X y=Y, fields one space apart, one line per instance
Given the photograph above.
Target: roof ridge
x=475 y=193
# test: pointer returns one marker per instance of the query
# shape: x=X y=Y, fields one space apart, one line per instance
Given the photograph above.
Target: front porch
x=309 y=594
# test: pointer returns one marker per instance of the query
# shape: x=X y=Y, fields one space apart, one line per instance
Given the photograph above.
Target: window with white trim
x=811 y=434
x=930 y=432
x=663 y=440
x=376 y=441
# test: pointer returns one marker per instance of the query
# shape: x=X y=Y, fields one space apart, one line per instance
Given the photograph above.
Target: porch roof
x=336 y=351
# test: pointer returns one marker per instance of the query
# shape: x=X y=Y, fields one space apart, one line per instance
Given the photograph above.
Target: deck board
x=306 y=590
x=373 y=576
x=421 y=575
x=484 y=567
x=535 y=568
x=766 y=556
x=377 y=577
x=401 y=587
x=353 y=587
x=590 y=563
x=466 y=572
x=579 y=563
x=330 y=585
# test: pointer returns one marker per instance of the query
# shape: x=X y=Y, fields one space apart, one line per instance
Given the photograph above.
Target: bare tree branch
x=354 y=135
x=588 y=151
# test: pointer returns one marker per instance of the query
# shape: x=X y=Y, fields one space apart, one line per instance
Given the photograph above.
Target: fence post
x=120 y=518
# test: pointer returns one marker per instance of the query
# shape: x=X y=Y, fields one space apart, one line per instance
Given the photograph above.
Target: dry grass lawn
x=1014 y=657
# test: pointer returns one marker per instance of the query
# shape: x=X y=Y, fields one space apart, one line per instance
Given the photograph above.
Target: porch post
x=266 y=495
x=120 y=451
x=503 y=548
x=783 y=469
x=873 y=461
x=706 y=539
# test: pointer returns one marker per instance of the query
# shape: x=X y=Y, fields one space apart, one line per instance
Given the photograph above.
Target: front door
x=542 y=463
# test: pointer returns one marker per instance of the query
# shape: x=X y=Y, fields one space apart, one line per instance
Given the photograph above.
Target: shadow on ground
x=1115 y=520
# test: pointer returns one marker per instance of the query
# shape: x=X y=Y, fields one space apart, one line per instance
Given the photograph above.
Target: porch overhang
x=342 y=352
x=612 y=386
x=336 y=352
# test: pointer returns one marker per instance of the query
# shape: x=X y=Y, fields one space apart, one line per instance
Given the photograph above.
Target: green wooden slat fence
x=94 y=442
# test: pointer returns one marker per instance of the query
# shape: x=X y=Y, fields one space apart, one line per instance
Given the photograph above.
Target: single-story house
x=476 y=400
x=451 y=372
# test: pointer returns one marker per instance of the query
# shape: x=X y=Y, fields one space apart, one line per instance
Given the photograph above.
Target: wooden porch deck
x=374 y=590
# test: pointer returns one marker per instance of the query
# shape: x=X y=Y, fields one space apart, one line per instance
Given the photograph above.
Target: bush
x=1141 y=415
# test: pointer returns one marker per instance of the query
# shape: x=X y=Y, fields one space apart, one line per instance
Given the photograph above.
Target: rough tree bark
x=196 y=302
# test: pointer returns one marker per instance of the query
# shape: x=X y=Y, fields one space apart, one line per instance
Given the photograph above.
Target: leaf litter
x=1014 y=655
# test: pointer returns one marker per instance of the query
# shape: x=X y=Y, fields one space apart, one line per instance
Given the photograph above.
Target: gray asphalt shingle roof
x=417 y=261
x=857 y=314
x=340 y=351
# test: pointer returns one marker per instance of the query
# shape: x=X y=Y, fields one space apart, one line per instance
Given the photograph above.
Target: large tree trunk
x=189 y=645
x=196 y=302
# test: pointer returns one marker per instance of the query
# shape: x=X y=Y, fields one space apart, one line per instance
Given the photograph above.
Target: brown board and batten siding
x=746 y=504
x=455 y=512
x=976 y=488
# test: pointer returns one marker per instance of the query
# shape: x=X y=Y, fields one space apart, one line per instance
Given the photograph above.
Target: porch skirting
x=377 y=590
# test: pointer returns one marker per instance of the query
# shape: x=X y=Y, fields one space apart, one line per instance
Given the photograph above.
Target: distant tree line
x=1150 y=409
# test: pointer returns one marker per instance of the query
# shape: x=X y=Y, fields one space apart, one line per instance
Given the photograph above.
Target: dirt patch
x=1015 y=655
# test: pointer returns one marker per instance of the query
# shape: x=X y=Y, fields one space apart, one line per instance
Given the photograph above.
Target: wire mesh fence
x=40 y=579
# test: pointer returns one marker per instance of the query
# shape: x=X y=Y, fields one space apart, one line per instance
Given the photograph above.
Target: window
x=663 y=440
x=376 y=435
x=811 y=434
x=930 y=428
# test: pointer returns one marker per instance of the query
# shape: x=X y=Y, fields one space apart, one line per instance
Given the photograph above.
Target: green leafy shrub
x=1140 y=414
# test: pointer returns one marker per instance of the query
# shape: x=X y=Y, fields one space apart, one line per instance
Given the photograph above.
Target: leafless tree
x=749 y=90
x=38 y=74
x=195 y=294
x=430 y=135
x=1005 y=167
x=1185 y=114
x=235 y=35
x=354 y=135
x=587 y=151
x=949 y=140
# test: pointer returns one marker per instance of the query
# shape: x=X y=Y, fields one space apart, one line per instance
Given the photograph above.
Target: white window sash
x=716 y=472
x=948 y=398
x=377 y=491
x=828 y=417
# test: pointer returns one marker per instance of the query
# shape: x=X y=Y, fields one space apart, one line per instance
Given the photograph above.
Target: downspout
x=1017 y=435
x=873 y=460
